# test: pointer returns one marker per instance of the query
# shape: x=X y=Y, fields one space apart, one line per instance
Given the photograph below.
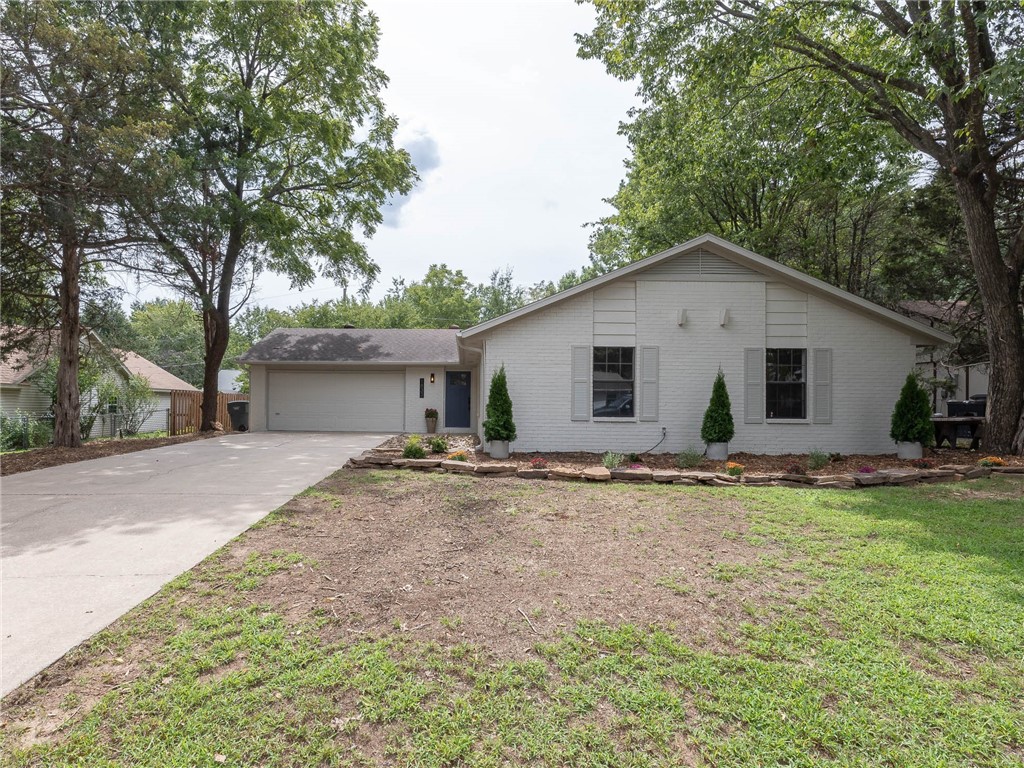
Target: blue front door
x=456 y=399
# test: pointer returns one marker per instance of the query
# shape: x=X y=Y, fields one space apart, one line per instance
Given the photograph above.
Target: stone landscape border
x=948 y=473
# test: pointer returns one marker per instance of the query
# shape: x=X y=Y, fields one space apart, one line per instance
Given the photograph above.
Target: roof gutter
x=462 y=345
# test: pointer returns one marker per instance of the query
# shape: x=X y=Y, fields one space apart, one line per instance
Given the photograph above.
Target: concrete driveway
x=84 y=543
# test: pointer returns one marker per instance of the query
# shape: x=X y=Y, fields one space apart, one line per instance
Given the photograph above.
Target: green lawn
x=904 y=648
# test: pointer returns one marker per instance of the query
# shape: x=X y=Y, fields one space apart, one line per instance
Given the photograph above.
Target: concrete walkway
x=84 y=543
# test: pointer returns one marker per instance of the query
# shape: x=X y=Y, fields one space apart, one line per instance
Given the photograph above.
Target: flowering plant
x=733 y=468
x=539 y=462
x=991 y=461
x=921 y=464
x=794 y=469
x=636 y=465
x=458 y=456
x=867 y=469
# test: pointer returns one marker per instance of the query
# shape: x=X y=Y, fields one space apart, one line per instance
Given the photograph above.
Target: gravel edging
x=947 y=473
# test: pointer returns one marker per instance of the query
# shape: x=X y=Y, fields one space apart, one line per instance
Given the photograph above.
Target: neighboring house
x=622 y=362
x=19 y=392
x=958 y=317
x=160 y=381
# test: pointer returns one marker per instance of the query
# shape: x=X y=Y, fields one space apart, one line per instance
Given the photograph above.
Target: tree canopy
x=80 y=127
x=942 y=79
x=282 y=151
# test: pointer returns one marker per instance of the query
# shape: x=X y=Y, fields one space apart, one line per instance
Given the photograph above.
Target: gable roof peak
x=745 y=257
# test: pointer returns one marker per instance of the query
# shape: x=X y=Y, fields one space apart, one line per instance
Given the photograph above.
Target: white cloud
x=425 y=157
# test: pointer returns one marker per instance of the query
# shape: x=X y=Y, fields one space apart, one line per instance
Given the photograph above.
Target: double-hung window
x=613 y=393
x=786 y=384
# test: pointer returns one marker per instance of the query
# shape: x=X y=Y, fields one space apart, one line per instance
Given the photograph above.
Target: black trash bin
x=238 y=412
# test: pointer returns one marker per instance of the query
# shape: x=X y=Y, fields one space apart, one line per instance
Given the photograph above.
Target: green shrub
x=438 y=444
x=612 y=459
x=136 y=403
x=18 y=431
x=817 y=459
x=414 y=448
x=717 y=426
x=912 y=416
x=689 y=458
x=499 y=425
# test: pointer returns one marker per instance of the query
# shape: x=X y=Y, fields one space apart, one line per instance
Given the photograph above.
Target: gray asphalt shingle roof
x=355 y=345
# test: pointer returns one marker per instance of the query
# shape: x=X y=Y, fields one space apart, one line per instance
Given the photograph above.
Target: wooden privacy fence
x=186 y=410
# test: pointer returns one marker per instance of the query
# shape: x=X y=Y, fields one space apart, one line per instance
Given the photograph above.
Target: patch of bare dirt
x=503 y=563
x=41 y=458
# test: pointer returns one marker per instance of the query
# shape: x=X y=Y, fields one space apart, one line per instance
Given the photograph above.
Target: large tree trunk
x=215 y=327
x=999 y=289
x=67 y=425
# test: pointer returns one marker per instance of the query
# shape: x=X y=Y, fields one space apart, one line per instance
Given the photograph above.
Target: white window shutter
x=753 y=386
x=648 y=383
x=582 y=363
x=822 y=403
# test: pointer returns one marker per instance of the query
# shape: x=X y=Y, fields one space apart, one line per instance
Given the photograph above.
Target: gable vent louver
x=694 y=266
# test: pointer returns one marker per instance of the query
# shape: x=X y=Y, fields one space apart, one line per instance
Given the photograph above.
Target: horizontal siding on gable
x=787 y=307
x=785 y=316
x=615 y=315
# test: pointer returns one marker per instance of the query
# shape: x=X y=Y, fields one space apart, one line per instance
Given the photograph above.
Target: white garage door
x=336 y=402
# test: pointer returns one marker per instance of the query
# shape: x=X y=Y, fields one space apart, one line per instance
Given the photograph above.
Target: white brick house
x=626 y=361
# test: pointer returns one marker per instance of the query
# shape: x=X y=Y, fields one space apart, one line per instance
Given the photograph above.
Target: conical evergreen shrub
x=499 y=425
x=717 y=426
x=912 y=416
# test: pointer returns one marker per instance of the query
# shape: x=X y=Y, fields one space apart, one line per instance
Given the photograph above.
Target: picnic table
x=947 y=427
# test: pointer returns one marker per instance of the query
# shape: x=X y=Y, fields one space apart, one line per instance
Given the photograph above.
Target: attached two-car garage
x=358 y=380
x=336 y=401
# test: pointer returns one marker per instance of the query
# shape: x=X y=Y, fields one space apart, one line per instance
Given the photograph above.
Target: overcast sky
x=515 y=140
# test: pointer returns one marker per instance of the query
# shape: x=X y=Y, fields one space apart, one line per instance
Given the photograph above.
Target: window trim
x=632 y=417
x=805 y=419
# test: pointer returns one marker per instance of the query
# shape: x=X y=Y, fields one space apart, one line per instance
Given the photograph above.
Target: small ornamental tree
x=718 y=426
x=499 y=425
x=137 y=403
x=912 y=416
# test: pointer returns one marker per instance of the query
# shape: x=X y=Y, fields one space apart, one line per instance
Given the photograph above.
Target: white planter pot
x=499 y=449
x=909 y=451
x=718 y=451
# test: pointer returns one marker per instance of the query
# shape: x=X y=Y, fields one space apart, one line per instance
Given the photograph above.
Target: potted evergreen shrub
x=912 y=427
x=717 y=429
x=499 y=429
x=430 y=416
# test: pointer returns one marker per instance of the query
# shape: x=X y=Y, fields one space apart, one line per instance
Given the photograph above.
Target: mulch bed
x=41 y=458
